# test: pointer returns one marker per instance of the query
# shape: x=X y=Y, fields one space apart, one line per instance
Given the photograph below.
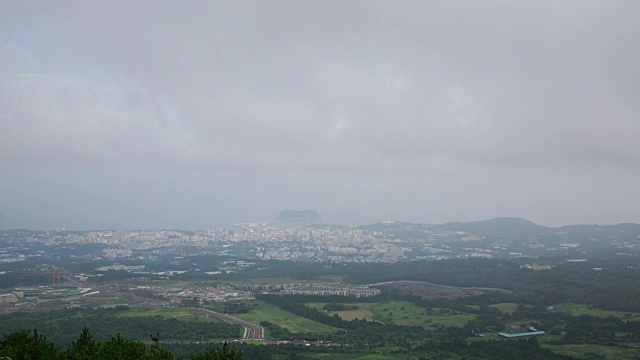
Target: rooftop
x=521 y=334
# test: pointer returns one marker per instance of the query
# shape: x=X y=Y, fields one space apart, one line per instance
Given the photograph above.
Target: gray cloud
x=446 y=102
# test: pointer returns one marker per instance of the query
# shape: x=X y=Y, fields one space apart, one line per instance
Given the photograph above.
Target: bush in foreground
x=27 y=345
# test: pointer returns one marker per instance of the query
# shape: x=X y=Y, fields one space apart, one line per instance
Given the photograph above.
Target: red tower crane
x=55 y=275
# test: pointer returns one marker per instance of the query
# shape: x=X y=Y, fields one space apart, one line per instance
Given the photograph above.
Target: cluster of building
x=9 y=297
x=314 y=288
x=384 y=242
x=131 y=240
x=536 y=266
x=200 y=294
x=316 y=243
x=525 y=330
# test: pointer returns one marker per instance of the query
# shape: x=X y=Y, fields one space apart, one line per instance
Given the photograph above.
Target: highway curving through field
x=251 y=330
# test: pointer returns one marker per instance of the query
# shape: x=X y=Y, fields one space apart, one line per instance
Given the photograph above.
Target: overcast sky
x=189 y=114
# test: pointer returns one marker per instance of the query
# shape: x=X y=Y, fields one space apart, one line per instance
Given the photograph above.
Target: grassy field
x=431 y=291
x=379 y=354
x=579 y=309
x=588 y=350
x=401 y=313
x=109 y=301
x=363 y=312
x=355 y=314
x=285 y=319
x=405 y=313
x=506 y=307
x=181 y=314
x=334 y=356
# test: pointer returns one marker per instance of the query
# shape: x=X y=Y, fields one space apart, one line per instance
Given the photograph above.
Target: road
x=251 y=331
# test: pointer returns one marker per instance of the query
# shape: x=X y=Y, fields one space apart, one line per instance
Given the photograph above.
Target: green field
x=379 y=354
x=506 y=307
x=430 y=291
x=355 y=314
x=401 y=313
x=580 y=309
x=406 y=313
x=376 y=357
x=182 y=314
x=337 y=356
x=588 y=350
x=114 y=301
x=363 y=312
x=294 y=323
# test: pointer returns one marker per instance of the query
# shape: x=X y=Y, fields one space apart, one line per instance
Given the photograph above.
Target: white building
x=8 y=297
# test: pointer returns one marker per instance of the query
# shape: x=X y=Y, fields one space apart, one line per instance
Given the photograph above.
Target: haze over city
x=201 y=114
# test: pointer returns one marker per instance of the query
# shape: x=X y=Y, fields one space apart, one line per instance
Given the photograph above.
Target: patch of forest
x=62 y=326
x=32 y=345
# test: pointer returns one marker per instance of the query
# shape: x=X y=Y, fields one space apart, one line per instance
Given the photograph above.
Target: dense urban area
x=389 y=290
x=383 y=242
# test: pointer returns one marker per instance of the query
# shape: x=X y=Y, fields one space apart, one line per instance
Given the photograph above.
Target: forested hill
x=510 y=226
x=498 y=226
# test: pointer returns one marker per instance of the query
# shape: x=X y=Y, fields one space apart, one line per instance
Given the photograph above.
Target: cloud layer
x=461 y=97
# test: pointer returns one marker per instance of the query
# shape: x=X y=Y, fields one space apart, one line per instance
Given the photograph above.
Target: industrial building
x=530 y=333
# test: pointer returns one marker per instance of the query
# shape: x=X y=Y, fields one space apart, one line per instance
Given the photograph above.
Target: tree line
x=31 y=345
